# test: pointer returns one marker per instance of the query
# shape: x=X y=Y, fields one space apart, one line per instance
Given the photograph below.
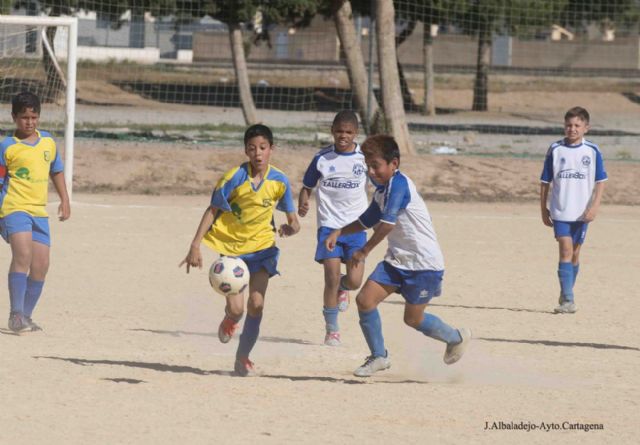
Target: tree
x=389 y=77
x=516 y=17
x=342 y=15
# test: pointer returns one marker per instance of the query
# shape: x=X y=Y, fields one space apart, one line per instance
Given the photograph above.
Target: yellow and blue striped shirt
x=24 y=174
x=244 y=222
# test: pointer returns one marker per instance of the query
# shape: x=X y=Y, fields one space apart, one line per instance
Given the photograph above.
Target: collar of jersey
x=579 y=144
x=351 y=153
x=266 y=174
x=21 y=141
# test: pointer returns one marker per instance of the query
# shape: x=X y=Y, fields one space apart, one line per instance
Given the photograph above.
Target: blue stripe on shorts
x=415 y=286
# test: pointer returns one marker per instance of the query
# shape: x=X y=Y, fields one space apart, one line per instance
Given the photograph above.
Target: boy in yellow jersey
x=27 y=159
x=239 y=223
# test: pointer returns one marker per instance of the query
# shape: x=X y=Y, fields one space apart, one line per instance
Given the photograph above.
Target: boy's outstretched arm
x=380 y=232
x=64 y=209
x=303 y=201
x=292 y=227
x=194 y=256
x=544 y=211
x=594 y=205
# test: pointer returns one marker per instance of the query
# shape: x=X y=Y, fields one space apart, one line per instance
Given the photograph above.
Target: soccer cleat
x=33 y=327
x=227 y=328
x=372 y=365
x=18 y=323
x=454 y=352
x=343 y=300
x=332 y=339
x=244 y=367
x=566 y=307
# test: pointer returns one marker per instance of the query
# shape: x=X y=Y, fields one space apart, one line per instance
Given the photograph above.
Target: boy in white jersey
x=575 y=168
x=413 y=265
x=338 y=175
x=28 y=158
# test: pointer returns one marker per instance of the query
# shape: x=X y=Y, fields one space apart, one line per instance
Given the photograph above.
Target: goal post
x=71 y=23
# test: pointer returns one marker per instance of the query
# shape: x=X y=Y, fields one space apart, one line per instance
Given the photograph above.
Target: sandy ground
x=130 y=354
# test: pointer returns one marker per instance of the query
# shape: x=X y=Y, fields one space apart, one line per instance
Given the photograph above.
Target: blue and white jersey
x=412 y=242
x=340 y=181
x=573 y=170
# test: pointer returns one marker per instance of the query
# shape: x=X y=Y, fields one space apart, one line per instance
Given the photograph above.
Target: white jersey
x=339 y=180
x=412 y=242
x=573 y=170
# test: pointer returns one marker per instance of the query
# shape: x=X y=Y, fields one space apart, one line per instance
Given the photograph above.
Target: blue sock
x=371 y=326
x=576 y=269
x=17 y=290
x=433 y=327
x=331 y=319
x=565 y=275
x=249 y=335
x=32 y=295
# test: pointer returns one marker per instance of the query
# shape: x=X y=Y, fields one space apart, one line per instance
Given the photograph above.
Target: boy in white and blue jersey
x=575 y=168
x=413 y=265
x=338 y=176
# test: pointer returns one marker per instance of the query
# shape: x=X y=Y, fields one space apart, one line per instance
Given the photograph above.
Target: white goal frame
x=72 y=45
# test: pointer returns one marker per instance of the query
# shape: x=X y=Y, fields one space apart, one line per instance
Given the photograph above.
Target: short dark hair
x=578 y=112
x=24 y=100
x=345 y=117
x=258 y=130
x=383 y=146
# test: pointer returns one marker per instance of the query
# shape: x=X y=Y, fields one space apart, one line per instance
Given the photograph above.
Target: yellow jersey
x=24 y=174
x=244 y=222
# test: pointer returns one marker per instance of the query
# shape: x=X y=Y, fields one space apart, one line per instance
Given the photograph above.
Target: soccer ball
x=229 y=275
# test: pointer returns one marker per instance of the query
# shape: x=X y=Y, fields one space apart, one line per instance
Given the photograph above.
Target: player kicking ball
x=413 y=265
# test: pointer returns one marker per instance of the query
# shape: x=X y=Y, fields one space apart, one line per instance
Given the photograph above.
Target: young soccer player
x=575 y=168
x=338 y=175
x=239 y=223
x=413 y=265
x=28 y=159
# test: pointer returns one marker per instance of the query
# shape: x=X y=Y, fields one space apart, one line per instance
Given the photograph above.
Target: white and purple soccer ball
x=229 y=275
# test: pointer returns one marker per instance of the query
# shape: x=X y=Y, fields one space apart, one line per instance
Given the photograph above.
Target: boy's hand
x=331 y=241
x=359 y=256
x=286 y=230
x=64 y=210
x=303 y=208
x=546 y=217
x=193 y=258
x=590 y=214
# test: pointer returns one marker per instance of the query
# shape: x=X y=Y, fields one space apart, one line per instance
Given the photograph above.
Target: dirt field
x=130 y=354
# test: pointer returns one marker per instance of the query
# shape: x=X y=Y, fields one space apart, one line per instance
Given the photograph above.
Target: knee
x=413 y=320
x=364 y=304
x=351 y=282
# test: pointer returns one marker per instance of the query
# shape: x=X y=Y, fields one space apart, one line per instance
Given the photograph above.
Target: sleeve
x=371 y=216
x=397 y=198
x=285 y=203
x=601 y=174
x=227 y=184
x=547 y=169
x=312 y=175
x=56 y=166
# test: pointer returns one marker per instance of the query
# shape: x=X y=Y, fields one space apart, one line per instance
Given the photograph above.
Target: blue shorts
x=23 y=222
x=577 y=230
x=266 y=259
x=415 y=286
x=346 y=246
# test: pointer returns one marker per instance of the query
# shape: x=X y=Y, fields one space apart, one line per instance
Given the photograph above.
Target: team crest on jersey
x=586 y=161
x=332 y=169
x=47 y=155
x=358 y=169
x=266 y=202
x=236 y=210
x=23 y=173
x=563 y=160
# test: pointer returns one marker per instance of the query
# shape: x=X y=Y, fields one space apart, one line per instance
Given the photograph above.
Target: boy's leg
x=257 y=290
x=367 y=300
x=429 y=324
x=21 y=245
x=331 y=268
x=575 y=261
x=355 y=269
x=233 y=312
x=565 y=267
x=37 y=273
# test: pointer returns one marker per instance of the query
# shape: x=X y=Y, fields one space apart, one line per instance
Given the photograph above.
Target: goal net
x=38 y=54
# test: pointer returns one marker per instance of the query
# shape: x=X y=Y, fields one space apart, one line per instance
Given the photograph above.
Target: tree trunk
x=389 y=78
x=242 y=74
x=481 y=84
x=407 y=98
x=427 y=47
x=343 y=19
